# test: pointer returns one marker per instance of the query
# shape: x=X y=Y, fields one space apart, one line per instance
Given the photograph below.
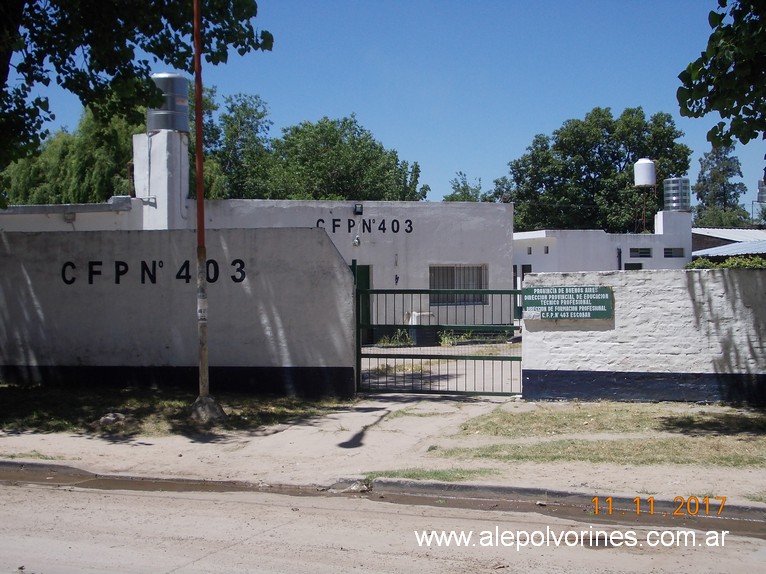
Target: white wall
x=161 y=176
x=128 y=299
x=708 y=324
x=596 y=250
x=398 y=239
x=119 y=213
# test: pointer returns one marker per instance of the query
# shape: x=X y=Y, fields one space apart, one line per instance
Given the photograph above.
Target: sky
x=465 y=86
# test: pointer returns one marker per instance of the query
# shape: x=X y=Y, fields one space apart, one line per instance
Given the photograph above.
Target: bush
x=738 y=262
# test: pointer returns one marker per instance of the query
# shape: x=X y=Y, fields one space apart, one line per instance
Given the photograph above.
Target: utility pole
x=205 y=409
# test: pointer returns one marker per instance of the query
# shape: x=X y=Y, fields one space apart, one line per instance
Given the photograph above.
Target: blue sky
x=465 y=86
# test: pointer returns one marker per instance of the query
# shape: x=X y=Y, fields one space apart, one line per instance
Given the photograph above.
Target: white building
x=409 y=245
x=405 y=245
x=670 y=247
x=280 y=295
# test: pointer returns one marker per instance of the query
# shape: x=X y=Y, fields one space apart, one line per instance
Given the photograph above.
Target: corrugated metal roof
x=733 y=249
x=731 y=234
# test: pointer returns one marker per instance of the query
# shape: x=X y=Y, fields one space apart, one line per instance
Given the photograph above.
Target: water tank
x=644 y=174
x=677 y=194
x=761 y=191
x=174 y=113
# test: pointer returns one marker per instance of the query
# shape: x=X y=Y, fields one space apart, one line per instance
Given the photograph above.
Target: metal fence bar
x=410 y=329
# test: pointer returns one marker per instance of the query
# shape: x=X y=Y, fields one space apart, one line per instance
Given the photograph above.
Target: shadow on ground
x=749 y=421
x=153 y=410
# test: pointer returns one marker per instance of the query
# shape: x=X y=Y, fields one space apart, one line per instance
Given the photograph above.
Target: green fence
x=438 y=340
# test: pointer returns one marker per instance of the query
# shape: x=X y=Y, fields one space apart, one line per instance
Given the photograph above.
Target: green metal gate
x=438 y=340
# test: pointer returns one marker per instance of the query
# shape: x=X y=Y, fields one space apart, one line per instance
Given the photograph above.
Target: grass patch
x=726 y=451
x=676 y=434
x=400 y=338
x=610 y=417
x=410 y=412
x=444 y=475
x=147 y=411
x=757 y=497
x=401 y=367
x=31 y=454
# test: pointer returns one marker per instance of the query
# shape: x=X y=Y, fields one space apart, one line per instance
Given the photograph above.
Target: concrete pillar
x=161 y=168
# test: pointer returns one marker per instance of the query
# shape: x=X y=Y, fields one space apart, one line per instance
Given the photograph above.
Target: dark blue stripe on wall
x=307 y=382
x=643 y=386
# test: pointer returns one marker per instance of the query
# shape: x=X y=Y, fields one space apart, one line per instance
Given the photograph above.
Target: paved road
x=66 y=529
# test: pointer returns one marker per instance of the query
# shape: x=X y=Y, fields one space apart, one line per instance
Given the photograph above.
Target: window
x=529 y=251
x=457 y=277
x=674 y=252
x=640 y=251
x=545 y=250
x=634 y=266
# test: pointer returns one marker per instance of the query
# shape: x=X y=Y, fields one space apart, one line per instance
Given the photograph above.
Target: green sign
x=575 y=302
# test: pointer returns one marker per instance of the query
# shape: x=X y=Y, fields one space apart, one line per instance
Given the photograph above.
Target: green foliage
x=450 y=338
x=738 y=262
x=243 y=150
x=715 y=216
x=332 y=159
x=581 y=177
x=101 y=51
x=400 y=338
x=88 y=166
x=338 y=160
x=462 y=190
x=717 y=195
x=728 y=77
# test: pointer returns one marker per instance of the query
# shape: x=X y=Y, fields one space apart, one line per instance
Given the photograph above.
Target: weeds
x=142 y=410
x=443 y=475
x=401 y=338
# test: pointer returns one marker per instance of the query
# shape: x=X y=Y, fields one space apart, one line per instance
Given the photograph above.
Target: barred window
x=674 y=252
x=640 y=251
x=457 y=277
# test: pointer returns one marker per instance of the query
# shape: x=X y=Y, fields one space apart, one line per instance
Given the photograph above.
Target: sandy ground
x=73 y=530
x=367 y=437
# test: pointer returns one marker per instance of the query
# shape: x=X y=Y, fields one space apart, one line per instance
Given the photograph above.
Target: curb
x=545 y=501
x=547 y=497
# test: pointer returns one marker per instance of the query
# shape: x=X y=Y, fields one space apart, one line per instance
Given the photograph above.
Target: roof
x=731 y=234
x=733 y=249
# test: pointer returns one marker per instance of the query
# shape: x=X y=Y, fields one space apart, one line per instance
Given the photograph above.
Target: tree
x=40 y=179
x=88 y=166
x=729 y=77
x=717 y=196
x=100 y=51
x=92 y=164
x=243 y=151
x=462 y=190
x=582 y=175
x=339 y=160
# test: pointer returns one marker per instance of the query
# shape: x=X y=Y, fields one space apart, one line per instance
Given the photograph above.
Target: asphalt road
x=46 y=529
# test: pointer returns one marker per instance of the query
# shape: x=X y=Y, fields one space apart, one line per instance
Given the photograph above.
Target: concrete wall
x=281 y=314
x=119 y=213
x=596 y=250
x=399 y=240
x=161 y=176
x=675 y=335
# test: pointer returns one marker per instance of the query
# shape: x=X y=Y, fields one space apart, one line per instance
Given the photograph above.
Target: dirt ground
x=386 y=432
